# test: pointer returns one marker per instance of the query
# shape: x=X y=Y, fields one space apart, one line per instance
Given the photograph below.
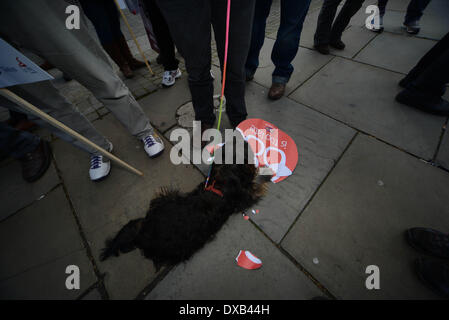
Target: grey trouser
x=39 y=26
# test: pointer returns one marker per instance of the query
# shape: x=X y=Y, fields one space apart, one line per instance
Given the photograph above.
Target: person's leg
x=101 y=16
x=426 y=60
x=76 y=54
x=242 y=12
x=324 y=23
x=261 y=12
x=415 y=10
x=382 y=5
x=34 y=154
x=163 y=36
x=293 y=13
x=96 y=11
x=425 y=91
x=48 y=99
x=349 y=9
x=189 y=23
x=17 y=143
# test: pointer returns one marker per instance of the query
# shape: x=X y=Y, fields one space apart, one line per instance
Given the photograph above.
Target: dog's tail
x=124 y=241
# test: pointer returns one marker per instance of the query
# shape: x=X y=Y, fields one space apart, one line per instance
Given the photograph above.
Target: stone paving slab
x=104 y=207
x=306 y=63
x=394 y=52
x=38 y=234
x=443 y=153
x=359 y=216
x=48 y=281
x=365 y=100
x=212 y=273
x=320 y=141
x=17 y=193
x=126 y=275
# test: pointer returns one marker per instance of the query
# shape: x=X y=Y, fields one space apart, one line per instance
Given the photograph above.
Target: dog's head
x=234 y=164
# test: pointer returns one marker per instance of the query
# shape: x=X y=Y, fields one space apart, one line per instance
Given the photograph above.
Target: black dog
x=178 y=224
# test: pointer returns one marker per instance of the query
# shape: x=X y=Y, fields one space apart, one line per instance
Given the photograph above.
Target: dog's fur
x=178 y=224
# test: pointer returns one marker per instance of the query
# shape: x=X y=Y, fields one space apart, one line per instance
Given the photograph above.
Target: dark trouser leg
x=432 y=55
x=415 y=10
x=189 y=23
x=261 y=12
x=324 y=23
x=16 y=143
x=163 y=36
x=349 y=9
x=103 y=18
x=242 y=12
x=382 y=5
x=436 y=75
x=293 y=13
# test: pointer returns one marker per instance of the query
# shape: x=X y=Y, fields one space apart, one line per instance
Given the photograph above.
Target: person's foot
x=99 y=166
x=435 y=274
x=424 y=102
x=36 y=163
x=337 y=44
x=322 y=48
x=277 y=90
x=169 y=77
x=135 y=64
x=153 y=145
x=429 y=241
x=412 y=27
x=126 y=70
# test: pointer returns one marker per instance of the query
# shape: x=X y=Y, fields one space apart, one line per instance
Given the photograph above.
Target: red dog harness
x=211 y=187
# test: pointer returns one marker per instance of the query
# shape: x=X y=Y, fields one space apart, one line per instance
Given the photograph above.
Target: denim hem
x=279 y=79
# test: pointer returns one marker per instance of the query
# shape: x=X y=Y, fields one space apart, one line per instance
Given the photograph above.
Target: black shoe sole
x=47 y=161
x=418 y=106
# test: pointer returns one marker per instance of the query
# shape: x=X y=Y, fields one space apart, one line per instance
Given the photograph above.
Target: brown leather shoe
x=133 y=63
x=277 y=90
x=114 y=52
x=36 y=163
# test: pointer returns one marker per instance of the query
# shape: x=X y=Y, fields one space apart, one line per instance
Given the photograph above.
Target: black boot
x=114 y=52
x=133 y=63
x=423 y=101
x=36 y=163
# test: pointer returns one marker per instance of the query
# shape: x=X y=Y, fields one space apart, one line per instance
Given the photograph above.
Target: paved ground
x=369 y=168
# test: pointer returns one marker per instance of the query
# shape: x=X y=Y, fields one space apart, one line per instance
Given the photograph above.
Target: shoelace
x=95 y=162
x=168 y=75
x=149 y=141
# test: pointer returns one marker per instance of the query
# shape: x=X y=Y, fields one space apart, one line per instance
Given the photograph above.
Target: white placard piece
x=16 y=68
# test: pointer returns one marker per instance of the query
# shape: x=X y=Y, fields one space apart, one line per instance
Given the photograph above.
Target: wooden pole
x=28 y=106
x=134 y=37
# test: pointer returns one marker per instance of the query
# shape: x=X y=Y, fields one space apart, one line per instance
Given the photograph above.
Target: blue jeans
x=293 y=13
x=16 y=143
x=414 y=10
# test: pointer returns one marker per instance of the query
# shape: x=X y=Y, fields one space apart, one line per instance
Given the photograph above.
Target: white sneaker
x=153 y=145
x=99 y=166
x=169 y=77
